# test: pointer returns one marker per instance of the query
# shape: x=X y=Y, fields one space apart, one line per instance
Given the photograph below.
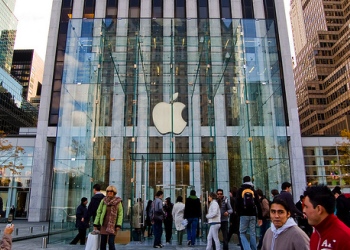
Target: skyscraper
x=172 y=95
x=321 y=38
x=8 y=27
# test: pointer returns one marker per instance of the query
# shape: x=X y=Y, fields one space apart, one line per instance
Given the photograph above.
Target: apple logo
x=162 y=116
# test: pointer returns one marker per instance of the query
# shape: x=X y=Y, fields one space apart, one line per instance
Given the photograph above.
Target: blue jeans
x=244 y=223
x=192 y=229
x=157 y=232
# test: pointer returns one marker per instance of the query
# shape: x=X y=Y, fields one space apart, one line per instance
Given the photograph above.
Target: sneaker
x=157 y=246
x=161 y=245
x=189 y=243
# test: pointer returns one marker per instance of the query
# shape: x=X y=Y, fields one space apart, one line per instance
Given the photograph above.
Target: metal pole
x=44 y=243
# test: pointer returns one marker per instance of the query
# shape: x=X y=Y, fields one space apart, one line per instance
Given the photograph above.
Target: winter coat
x=241 y=211
x=93 y=205
x=101 y=212
x=214 y=213
x=192 y=207
x=6 y=242
x=292 y=238
x=137 y=215
x=225 y=207
x=330 y=233
x=81 y=213
x=178 y=215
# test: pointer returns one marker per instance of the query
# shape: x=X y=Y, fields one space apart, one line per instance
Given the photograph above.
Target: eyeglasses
x=109 y=191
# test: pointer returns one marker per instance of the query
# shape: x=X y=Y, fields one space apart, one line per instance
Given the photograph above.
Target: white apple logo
x=162 y=116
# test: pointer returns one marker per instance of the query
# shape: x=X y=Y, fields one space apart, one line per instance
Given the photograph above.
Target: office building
x=8 y=27
x=321 y=38
x=28 y=69
x=172 y=95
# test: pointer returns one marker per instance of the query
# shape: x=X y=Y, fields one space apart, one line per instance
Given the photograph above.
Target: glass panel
x=220 y=117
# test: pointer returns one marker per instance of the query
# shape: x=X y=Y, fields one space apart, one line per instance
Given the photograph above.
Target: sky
x=33 y=25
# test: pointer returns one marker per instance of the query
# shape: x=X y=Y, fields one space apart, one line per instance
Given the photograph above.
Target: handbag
x=184 y=222
x=93 y=241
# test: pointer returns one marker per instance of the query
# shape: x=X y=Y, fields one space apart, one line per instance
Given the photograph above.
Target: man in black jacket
x=288 y=198
x=342 y=206
x=95 y=201
x=192 y=214
x=248 y=208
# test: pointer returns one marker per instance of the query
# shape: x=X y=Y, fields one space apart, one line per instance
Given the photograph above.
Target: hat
x=336 y=190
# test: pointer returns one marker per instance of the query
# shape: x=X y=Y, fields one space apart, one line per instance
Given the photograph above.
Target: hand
x=259 y=223
x=226 y=213
x=9 y=230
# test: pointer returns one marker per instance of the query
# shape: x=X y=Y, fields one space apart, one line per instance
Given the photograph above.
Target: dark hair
x=83 y=200
x=301 y=197
x=234 y=191
x=159 y=193
x=97 y=187
x=220 y=190
x=285 y=185
x=281 y=202
x=179 y=199
x=246 y=178
x=149 y=204
x=336 y=190
x=260 y=192
x=321 y=195
x=168 y=199
x=193 y=192
x=274 y=192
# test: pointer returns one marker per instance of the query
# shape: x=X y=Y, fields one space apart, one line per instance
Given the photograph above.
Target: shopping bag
x=93 y=241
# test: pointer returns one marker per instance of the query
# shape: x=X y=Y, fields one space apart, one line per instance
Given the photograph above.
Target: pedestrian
x=157 y=217
x=137 y=215
x=342 y=206
x=329 y=231
x=265 y=210
x=192 y=214
x=248 y=209
x=109 y=218
x=148 y=226
x=213 y=217
x=288 y=198
x=168 y=219
x=178 y=215
x=225 y=210
x=284 y=232
x=95 y=201
x=81 y=222
x=6 y=242
x=274 y=193
x=302 y=222
x=234 y=218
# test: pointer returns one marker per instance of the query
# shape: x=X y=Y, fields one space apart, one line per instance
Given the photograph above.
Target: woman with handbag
x=109 y=217
x=178 y=215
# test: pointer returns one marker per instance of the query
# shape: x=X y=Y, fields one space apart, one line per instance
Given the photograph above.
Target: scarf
x=277 y=231
x=113 y=202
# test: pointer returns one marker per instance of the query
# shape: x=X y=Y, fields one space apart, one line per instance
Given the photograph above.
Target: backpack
x=248 y=199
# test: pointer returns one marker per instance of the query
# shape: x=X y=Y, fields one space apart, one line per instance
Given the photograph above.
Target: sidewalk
x=29 y=236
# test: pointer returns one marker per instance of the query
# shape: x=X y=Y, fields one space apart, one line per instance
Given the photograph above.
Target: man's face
x=219 y=194
x=278 y=215
x=313 y=214
x=289 y=189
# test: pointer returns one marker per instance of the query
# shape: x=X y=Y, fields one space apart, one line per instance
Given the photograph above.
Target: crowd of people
x=319 y=220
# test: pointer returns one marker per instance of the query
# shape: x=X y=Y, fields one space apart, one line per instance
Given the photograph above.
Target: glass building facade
x=147 y=97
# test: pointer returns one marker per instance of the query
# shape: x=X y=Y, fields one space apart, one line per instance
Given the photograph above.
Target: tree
x=9 y=155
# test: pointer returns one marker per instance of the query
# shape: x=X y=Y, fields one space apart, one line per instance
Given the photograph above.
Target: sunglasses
x=109 y=191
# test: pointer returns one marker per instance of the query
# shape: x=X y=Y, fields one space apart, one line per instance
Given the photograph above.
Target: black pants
x=168 y=225
x=80 y=237
x=224 y=231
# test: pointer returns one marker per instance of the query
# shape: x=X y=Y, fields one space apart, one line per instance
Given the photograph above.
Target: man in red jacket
x=330 y=233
